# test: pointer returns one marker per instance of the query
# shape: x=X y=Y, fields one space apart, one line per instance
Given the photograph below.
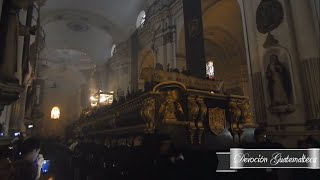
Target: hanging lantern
x=55 y=113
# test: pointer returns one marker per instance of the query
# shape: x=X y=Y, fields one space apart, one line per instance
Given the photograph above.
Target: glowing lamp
x=210 y=69
x=55 y=113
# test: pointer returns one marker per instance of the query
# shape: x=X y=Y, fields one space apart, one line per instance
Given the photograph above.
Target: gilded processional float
x=189 y=109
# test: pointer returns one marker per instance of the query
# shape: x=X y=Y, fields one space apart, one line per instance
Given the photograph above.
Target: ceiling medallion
x=78 y=26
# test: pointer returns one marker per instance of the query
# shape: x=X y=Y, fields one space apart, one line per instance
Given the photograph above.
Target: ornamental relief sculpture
x=148 y=114
x=171 y=109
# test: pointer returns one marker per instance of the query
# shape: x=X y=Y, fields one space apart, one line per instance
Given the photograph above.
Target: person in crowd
x=165 y=163
x=309 y=142
x=6 y=169
x=30 y=164
x=136 y=159
x=262 y=141
x=73 y=144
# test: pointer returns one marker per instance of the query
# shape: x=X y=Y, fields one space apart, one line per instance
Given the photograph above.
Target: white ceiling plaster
x=103 y=22
x=95 y=42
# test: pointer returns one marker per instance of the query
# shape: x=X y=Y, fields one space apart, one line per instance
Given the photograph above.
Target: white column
x=315 y=6
x=161 y=56
x=169 y=54
x=255 y=81
x=308 y=52
x=174 y=50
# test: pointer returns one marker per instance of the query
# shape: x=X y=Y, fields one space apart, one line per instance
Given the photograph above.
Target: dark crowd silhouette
x=143 y=157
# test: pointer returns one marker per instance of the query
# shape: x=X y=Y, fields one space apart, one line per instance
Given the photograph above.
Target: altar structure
x=188 y=109
x=261 y=55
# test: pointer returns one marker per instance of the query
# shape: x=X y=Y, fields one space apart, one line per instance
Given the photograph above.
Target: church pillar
x=315 y=6
x=174 y=49
x=17 y=114
x=169 y=54
x=5 y=119
x=134 y=61
x=162 y=55
x=308 y=53
x=169 y=43
x=1 y=1
x=244 y=80
x=195 y=55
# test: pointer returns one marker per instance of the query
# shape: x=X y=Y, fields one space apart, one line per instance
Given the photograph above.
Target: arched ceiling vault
x=90 y=27
x=85 y=17
x=223 y=39
x=79 y=35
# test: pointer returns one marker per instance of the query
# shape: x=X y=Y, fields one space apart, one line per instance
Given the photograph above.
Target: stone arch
x=224 y=42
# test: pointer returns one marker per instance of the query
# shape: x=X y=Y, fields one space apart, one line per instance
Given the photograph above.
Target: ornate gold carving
x=169 y=78
x=217 y=120
x=193 y=111
x=235 y=116
x=241 y=117
x=171 y=107
x=235 y=111
x=203 y=112
x=192 y=133
x=246 y=114
x=148 y=114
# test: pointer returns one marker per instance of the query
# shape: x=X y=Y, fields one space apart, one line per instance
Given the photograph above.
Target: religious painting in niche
x=210 y=69
x=278 y=79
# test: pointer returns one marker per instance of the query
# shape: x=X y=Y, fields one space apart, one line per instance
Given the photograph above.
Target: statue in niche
x=11 y=29
x=279 y=85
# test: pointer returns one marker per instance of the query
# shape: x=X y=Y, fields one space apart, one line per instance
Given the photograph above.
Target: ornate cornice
x=9 y=92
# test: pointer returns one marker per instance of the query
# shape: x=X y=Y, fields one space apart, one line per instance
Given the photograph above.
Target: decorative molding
x=259 y=99
x=148 y=114
x=9 y=93
x=270 y=41
x=310 y=72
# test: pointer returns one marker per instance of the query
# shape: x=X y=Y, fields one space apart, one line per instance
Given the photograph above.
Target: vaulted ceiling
x=79 y=35
x=87 y=26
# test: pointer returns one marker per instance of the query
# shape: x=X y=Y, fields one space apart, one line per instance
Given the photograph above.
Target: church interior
x=205 y=74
